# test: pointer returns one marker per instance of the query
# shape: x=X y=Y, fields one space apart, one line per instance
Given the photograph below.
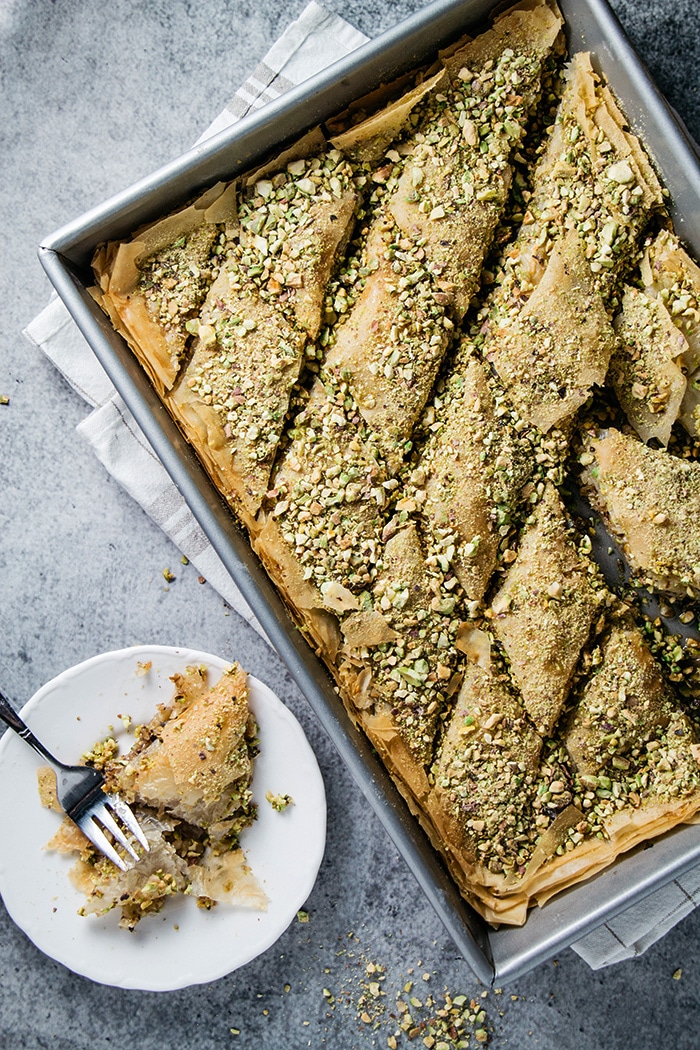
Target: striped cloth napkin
x=315 y=40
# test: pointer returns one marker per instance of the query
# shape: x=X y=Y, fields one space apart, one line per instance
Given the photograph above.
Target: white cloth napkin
x=315 y=40
x=636 y=929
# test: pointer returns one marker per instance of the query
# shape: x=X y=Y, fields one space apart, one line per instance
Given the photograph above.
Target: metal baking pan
x=493 y=955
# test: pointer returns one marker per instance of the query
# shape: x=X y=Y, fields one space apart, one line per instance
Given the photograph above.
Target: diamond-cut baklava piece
x=545 y=609
x=389 y=348
x=595 y=179
x=622 y=704
x=233 y=396
x=295 y=223
x=188 y=779
x=198 y=765
x=486 y=771
x=154 y=285
x=470 y=472
x=415 y=672
x=669 y=274
x=551 y=354
x=319 y=528
x=651 y=501
x=645 y=369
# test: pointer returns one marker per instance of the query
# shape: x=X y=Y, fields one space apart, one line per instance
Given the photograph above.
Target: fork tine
x=127 y=817
x=78 y=790
x=103 y=815
x=98 y=838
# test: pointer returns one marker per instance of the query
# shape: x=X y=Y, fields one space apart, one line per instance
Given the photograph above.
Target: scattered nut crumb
x=279 y=802
x=47 y=788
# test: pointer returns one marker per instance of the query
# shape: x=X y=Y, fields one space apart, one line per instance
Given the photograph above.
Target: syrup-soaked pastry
x=622 y=705
x=545 y=609
x=470 y=472
x=651 y=501
x=548 y=335
x=645 y=370
x=200 y=762
x=558 y=347
x=187 y=778
x=670 y=275
x=234 y=393
x=389 y=348
x=594 y=178
x=295 y=223
x=154 y=285
x=485 y=774
x=403 y=684
x=319 y=528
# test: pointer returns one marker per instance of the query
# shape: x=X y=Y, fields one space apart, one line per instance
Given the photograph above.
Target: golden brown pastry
x=622 y=705
x=545 y=609
x=485 y=775
x=651 y=501
x=645 y=370
x=187 y=779
x=470 y=474
x=153 y=286
x=673 y=278
x=549 y=335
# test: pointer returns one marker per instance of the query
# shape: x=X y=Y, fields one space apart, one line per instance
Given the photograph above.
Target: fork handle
x=12 y=719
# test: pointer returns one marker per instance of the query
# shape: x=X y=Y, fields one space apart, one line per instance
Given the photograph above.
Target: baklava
x=397 y=348
x=187 y=778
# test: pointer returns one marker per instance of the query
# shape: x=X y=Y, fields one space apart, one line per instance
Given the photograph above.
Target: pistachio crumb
x=279 y=802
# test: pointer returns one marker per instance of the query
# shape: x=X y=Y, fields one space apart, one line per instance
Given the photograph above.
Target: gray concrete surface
x=93 y=97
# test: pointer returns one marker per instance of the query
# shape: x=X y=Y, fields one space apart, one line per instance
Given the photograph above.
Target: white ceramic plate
x=183 y=944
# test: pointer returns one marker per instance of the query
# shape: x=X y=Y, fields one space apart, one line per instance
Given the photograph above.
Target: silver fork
x=79 y=790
